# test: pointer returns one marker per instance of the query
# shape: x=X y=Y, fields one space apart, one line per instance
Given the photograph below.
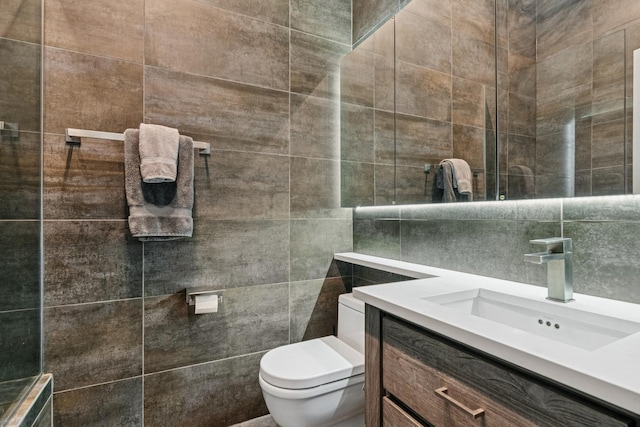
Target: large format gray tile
x=20 y=341
x=114 y=29
x=421 y=41
x=212 y=394
x=522 y=28
x=621 y=208
x=20 y=84
x=111 y=404
x=235 y=185
x=561 y=110
x=369 y=14
x=423 y=92
x=553 y=153
x=609 y=74
x=412 y=185
x=315 y=127
x=445 y=244
x=357 y=78
x=522 y=115
x=573 y=17
x=315 y=65
x=531 y=210
x=384 y=46
x=314 y=307
x=357 y=184
x=222 y=254
x=468 y=144
x=314 y=185
x=473 y=59
x=93 y=343
x=229 y=115
x=377 y=236
x=608 y=181
x=330 y=19
x=233 y=51
x=365 y=276
x=313 y=243
x=85 y=181
x=89 y=92
x=562 y=72
x=249 y=320
x=609 y=15
x=468 y=102
x=21 y=20
x=435 y=10
x=88 y=261
x=386 y=185
x=607 y=144
x=419 y=141
x=20 y=177
x=604 y=258
x=20 y=264
x=475 y=18
x=275 y=11
x=356 y=133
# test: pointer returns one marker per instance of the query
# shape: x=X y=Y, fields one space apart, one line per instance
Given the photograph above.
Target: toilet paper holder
x=203 y=301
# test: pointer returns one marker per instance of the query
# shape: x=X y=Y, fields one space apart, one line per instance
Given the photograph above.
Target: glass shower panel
x=20 y=200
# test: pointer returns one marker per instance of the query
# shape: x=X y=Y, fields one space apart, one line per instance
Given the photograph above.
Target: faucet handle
x=555 y=244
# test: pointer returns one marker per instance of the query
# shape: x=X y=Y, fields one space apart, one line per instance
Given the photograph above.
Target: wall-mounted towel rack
x=74 y=137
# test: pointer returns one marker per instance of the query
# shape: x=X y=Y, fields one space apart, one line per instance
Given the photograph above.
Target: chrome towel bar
x=74 y=137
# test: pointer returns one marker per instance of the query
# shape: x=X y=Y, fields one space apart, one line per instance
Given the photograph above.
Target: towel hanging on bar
x=74 y=136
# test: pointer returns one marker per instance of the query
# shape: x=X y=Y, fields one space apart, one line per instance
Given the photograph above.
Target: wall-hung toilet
x=320 y=382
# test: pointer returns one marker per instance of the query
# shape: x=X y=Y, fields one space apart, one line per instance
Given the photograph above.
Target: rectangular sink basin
x=557 y=321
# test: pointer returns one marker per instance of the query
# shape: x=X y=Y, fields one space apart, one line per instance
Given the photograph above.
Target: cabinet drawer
x=415 y=364
x=440 y=399
x=394 y=416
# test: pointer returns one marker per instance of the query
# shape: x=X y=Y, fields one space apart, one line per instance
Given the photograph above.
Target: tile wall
x=260 y=83
x=490 y=239
x=445 y=100
x=583 y=102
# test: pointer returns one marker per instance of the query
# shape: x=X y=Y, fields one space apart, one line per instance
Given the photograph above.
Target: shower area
x=20 y=208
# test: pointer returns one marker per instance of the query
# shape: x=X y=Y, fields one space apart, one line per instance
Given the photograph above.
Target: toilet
x=320 y=382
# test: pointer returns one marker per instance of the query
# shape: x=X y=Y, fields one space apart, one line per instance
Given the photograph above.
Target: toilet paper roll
x=206 y=304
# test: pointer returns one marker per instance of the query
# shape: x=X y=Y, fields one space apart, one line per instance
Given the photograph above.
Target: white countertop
x=610 y=373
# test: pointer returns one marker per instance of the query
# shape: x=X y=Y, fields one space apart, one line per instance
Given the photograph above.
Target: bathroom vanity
x=455 y=349
x=416 y=377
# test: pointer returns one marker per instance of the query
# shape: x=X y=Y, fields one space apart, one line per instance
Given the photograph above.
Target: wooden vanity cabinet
x=417 y=378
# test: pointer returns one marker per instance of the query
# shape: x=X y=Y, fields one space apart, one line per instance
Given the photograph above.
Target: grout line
x=205 y=363
x=97 y=384
x=77 y=304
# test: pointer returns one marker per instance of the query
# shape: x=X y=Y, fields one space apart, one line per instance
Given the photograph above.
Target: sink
x=560 y=322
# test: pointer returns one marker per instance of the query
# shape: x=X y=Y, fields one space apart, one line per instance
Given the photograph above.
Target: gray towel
x=443 y=190
x=162 y=211
x=158 y=153
x=462 y=176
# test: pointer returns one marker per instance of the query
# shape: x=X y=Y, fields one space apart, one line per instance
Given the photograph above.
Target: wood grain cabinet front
x=429 y=380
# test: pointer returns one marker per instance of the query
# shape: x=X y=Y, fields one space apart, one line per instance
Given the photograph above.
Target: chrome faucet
x=558 y=257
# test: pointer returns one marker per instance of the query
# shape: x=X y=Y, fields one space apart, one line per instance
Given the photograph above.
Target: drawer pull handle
x=443 y=393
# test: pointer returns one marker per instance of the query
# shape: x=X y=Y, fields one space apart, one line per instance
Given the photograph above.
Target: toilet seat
x=309 y=364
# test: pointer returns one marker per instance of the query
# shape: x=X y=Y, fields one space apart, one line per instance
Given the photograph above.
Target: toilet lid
x=310 y=363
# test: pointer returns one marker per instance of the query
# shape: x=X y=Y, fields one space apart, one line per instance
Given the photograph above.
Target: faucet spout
x=544 y=257
x=559 y=260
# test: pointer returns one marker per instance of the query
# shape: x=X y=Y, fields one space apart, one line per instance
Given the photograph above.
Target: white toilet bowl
x=320 y=382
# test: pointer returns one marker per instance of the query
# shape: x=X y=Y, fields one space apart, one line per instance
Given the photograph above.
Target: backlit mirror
x=421 y=88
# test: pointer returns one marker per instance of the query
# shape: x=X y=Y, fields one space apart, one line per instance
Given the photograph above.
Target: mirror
x=422 y=88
